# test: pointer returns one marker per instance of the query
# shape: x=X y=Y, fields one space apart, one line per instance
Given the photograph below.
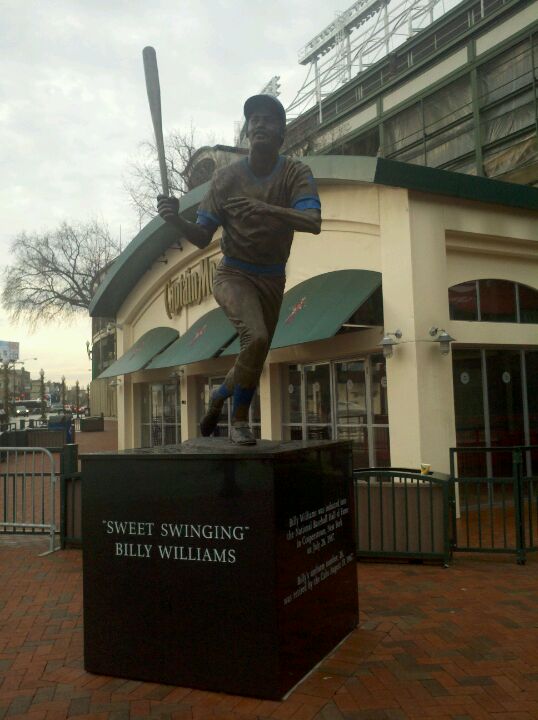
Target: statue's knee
x=259 y=343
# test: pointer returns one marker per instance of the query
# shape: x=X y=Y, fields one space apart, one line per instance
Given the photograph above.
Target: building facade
x=459 y=95
x=406 y=257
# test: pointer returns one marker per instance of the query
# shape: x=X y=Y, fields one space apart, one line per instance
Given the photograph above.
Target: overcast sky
x=73 y=110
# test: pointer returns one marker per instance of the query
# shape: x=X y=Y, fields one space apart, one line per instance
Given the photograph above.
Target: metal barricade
x=29 y=492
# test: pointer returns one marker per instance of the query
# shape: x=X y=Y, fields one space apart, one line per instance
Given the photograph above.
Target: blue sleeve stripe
x=307 y=204
x=207 y=219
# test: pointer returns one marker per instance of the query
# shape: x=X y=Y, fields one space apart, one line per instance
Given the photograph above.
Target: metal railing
x=403 y=514
x=494 y=512
x=28 y=492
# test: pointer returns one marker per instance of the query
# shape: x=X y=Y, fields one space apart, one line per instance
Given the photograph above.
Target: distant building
x=19 y=384
x=460 y=95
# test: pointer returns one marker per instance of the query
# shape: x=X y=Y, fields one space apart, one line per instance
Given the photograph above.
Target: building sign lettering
x=191 y=287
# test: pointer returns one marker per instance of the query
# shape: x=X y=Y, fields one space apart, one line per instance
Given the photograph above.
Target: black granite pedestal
x=216 y=567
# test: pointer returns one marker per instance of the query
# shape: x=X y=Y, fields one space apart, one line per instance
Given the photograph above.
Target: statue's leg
x=252 y=304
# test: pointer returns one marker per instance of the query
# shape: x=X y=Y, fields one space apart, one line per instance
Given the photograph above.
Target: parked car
x=21 y=411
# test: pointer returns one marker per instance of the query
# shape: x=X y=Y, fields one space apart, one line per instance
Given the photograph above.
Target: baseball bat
x=153 y=88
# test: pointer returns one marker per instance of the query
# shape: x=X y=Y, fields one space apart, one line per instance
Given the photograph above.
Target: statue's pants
x=252 y=304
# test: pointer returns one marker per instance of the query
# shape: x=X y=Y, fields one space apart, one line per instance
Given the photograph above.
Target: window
x=508 y=73
x=450 y=103
x=528 y=304
x=493 y=301
x=403 y=129
x=365 y=144
x=497 y=301
x=508 y=117
x=462 y=300
x=452 y=143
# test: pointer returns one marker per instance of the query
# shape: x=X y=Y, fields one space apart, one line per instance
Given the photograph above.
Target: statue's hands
x=244 y=207
x=168 y=208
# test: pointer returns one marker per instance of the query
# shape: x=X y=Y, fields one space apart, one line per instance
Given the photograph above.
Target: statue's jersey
x=253 y=240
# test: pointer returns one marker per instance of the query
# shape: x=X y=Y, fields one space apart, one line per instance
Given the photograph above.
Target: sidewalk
x=433 y=643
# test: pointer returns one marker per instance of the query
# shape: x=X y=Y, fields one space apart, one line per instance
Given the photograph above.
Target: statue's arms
x=168 y=208
x=300 y=220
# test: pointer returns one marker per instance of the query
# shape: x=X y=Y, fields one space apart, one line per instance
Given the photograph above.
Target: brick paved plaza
x=433 y=643
x=444 y=644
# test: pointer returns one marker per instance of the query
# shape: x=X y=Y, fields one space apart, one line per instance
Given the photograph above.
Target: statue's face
x=264 y=129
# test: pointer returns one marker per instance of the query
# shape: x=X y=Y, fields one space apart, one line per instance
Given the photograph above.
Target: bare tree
x=56 y=273
x=142 y=181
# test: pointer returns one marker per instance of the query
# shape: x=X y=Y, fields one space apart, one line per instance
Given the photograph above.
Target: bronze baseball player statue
x=260 y=201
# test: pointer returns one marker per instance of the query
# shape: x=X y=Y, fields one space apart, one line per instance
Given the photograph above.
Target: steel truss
x=357 y=38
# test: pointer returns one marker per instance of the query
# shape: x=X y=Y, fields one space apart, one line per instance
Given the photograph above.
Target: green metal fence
x=495 y=513
x=401 y=513
x=71 y=499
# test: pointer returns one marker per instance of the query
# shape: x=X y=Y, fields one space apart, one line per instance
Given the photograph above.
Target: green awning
x=317 y=308
x=144 y=350
x=203 y=340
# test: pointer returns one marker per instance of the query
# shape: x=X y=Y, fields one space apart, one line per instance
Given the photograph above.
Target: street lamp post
x=5 y=368
x=42 y=393
x=63 y=392
x=77 y=397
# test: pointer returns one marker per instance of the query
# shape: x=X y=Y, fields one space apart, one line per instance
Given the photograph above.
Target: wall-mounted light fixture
x=388 y=342
x=176 y=374
x=112 y=326
x=116 y=382
x=441 y=336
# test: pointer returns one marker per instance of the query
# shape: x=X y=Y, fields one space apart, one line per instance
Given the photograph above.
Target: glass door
x=378 y=407
x=351 y=408
x=160 y=415
x=505 y=405
x=292 y=405
x=156 y=394
x=345 y=400
x=495 y=405
x=171 y=415
x=318 y=404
